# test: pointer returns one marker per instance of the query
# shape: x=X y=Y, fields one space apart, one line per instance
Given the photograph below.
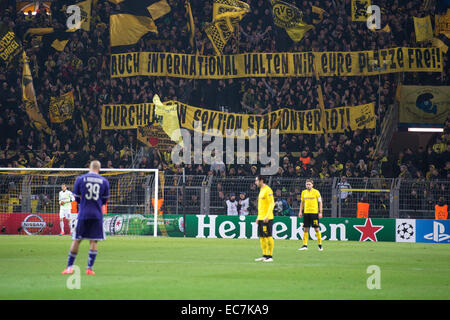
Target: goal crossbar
x=365 y=190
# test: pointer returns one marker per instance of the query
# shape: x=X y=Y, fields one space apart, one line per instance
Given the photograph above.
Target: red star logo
x=368 y=231
x=118 y=223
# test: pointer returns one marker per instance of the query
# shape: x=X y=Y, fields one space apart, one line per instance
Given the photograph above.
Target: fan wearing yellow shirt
x=266 y=203
x=311 y=205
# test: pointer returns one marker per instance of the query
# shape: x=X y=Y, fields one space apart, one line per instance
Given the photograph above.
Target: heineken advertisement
x=288 y=228
x=245 y=227
x=291 y=228
x=137 y=224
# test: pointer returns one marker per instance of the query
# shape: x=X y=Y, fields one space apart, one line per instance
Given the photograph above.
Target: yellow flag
x=127 y=29
x=386 y=29
x=59 y=44
x=61 y=108
x=221 y=8
x=158 y=9
x=29 y=98
x=296 y=33
x=39 y=31
x=359 y=10
x=167 y=117
x=290 y=18
x=55 y=39
x=424 y=104
x=442 y=24
x=226 y=16
x=85 y=8
x=50 y=163
x=85 y=127
x=437 y=42
x=423 y=29
x=190 y=23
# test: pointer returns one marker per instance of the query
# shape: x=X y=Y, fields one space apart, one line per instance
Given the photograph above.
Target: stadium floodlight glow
x=425 y=130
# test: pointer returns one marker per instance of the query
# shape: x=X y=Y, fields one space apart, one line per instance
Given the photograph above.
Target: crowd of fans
x=83 y=67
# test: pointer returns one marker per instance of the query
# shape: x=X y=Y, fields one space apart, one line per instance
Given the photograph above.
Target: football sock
x=267 y=246
x=270 y=244
x=92 y=256
x=61 y=225
x=319 y=237
x=71 y=259
x=305 y=238
x=263 y=243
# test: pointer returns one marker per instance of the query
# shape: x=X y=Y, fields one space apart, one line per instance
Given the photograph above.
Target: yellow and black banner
x=424 y=104
x=290 y=64
x=61 y=108
x=127 y=116
x=154 y=136
x=133 y=116
x=423 y=29
x=29 y=98
x=10 y=47
x=359 y=10
x=219 y=34
x=226 y=17
x=290 y=18
x=286 y=120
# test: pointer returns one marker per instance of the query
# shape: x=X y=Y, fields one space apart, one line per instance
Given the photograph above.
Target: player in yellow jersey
x=266 y=204
x=311 y=205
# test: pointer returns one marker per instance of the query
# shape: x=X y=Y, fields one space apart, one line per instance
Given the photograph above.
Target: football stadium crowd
x=83 y=67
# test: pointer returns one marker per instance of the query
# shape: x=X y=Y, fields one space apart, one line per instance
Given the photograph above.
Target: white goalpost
x=134 y=193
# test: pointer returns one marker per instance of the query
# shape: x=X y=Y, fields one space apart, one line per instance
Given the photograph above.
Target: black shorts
x=310 y=220
x=265 y=229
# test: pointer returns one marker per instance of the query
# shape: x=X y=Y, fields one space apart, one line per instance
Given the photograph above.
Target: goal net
x=364 y=198
x=29 y=201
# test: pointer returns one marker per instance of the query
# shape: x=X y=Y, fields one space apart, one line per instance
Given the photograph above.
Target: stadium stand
x=83 y=67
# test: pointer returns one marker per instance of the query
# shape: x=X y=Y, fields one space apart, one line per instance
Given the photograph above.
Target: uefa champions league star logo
x=438 y=234
x=405 y=231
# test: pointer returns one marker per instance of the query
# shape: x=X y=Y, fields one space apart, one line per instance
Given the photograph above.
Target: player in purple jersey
x=91 y=191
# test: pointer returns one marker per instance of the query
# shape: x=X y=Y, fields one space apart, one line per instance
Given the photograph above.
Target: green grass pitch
x=213 y=269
